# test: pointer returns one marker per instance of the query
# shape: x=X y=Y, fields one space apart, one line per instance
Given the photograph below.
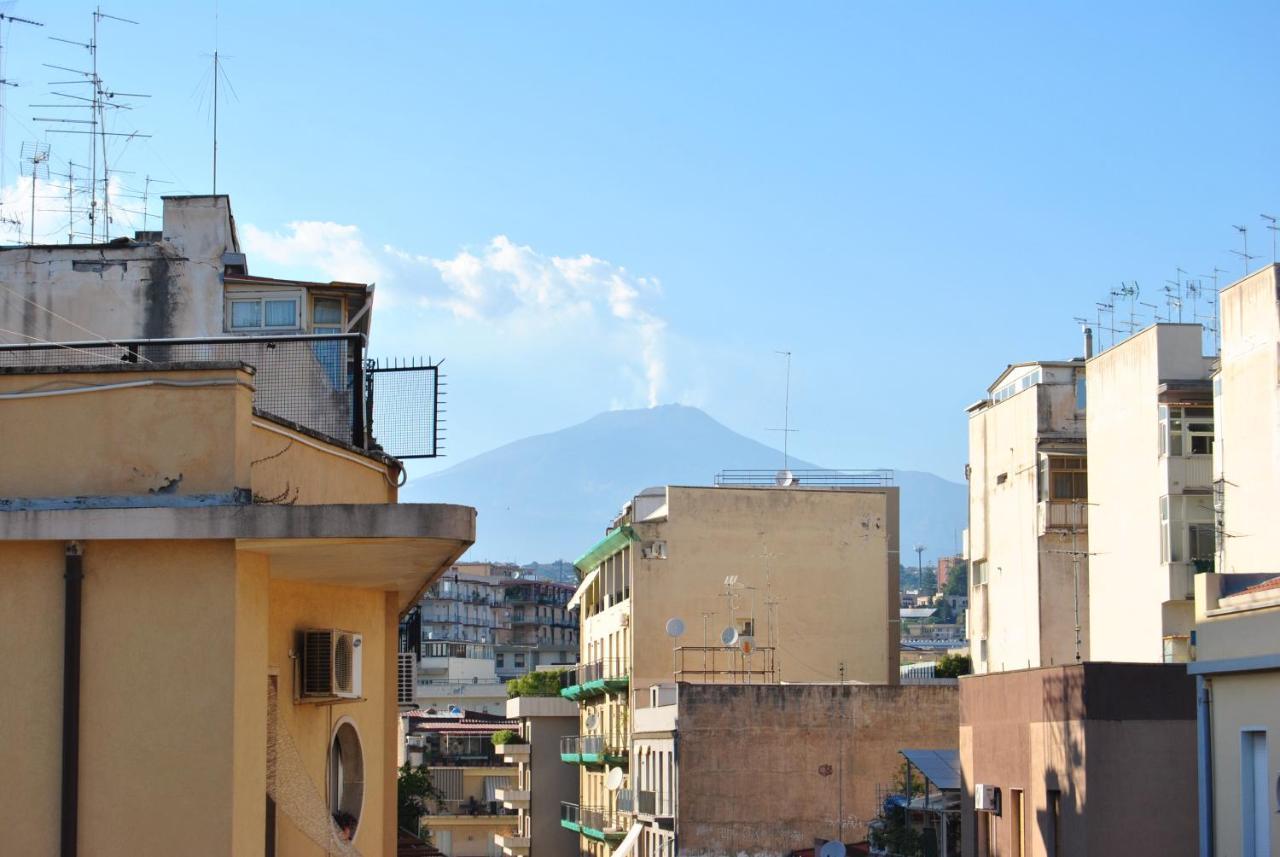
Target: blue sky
x=584 y=206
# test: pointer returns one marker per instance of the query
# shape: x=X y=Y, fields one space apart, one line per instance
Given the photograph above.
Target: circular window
x=346 y=779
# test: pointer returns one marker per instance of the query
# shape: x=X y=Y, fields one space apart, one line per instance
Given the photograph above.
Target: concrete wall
x=829 y=558
x=1024 y=610
x=548 y=779
x=1116 y=741
x=1133 y=604
x=1247 y=421
x=171 y=288
x=751 y=760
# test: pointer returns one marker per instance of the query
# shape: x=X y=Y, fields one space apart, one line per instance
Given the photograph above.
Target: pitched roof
x=1273 y=583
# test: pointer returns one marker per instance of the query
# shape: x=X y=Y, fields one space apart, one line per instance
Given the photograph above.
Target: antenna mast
x=4 y=81
x=35 y=163
x=786 y=416
x=1274 y=228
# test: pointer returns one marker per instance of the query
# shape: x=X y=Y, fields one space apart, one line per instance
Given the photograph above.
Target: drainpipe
x=74 y=575
x=1204 y=765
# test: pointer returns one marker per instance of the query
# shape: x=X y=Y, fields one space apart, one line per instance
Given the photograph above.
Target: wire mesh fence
x=406 y=406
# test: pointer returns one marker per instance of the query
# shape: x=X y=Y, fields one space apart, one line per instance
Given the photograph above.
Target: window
x=1017 y=840
x=1187 y=529
x=346 y=778
x=1081 y=388
x=1186 y=430
x=979 y=572
x=326 y=315
x=1255 y=794
x=261 y=311
x=500 y=660
x=1068 y=478
x=519 y=659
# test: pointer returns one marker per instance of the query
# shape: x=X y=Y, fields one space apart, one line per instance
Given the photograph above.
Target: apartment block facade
x=1151 y=520
x=543 y=782
x=1028 y=539
x=742 y=585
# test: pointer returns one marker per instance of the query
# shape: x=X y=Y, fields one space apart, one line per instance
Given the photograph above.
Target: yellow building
x=742 y=585
x=202 y=561
x=1151 y=526
x=1028 y=539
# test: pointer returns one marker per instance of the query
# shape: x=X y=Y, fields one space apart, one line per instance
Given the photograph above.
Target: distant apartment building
x=1028 y=536
x=483 y=624
x=470 y=774
x=204 y=557
x=946 y=564
x=1236 y=650
x=1091 y=758
x=542 y=781
x=740 y=585
x=1151 y=520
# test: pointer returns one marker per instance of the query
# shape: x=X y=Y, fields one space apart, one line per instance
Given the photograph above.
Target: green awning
x=617 y=539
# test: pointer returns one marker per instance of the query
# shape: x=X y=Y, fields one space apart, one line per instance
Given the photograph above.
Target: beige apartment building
x=1150 y=513
x=1237 y=635
x=742 y=585
x=1028 y=538
x=543 y=782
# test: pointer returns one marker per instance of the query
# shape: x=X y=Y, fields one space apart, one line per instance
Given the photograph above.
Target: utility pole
x=920 y=565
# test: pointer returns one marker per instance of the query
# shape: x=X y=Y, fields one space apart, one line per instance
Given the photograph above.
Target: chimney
x=1088 y=343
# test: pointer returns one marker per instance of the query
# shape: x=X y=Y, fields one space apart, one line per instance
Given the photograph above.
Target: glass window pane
x=246 y=314
x=326 y=311
x=282 y=313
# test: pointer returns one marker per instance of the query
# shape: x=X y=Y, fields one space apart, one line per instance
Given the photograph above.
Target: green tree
x=958 y=579
x=415 y=792
x=953 y=666
x=536 y=683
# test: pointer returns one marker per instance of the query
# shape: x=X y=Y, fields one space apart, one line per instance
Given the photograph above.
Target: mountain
x=552 y=495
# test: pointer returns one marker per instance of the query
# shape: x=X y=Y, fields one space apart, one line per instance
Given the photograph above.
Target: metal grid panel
x=407 y=409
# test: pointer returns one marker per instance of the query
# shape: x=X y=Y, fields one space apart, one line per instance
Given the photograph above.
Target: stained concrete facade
x=195 y=591
x=1028 y=539
x=1089 y=759
x=1150 y=428
x=768 y=769
x=543 y=780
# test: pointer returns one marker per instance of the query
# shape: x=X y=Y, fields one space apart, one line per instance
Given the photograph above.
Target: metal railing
x=1062 y=516
x=624 y=800
x=652 y=804
x=320 y=381
x=570 y=812
x=720 y=664
x=816 y=478
x=599 y=818
x=613 y=668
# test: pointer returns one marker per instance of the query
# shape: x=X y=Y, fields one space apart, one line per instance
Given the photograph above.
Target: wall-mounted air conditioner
x=986 y=798
x=654 y=550
x=330 y=664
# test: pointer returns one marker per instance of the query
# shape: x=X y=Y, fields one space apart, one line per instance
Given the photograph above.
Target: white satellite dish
x=785 y=478
x=832 y=849
x=729 y=636
x=591 y=721
x=455 y=710
x=675 y=626
x=613 y=780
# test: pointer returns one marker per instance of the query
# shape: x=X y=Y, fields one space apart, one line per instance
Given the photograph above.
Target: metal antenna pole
x=1244 y=236
x=6 y=82
x=1273 y=227
x=215 y=121
x=786 y=415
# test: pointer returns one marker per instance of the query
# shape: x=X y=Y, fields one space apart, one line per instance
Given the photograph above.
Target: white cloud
x=517 y=296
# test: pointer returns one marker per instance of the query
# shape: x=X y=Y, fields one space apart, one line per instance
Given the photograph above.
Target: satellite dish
x=455 y=710
x=785 y=478
x=675 y=627
x=592 y=719
x=832 y=849
x=515 y=575
x=613 y=780
x=729 y=636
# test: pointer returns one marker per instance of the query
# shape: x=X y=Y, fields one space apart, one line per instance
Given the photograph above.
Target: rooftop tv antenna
x=1214 y=303
x=6 y=20
x=35 y=163
x=786 y=419
x=1244 y=255
x=1155 y=311
x=1111 y=308
x=1273 y=228
x=147 y=182
x=1130 y=291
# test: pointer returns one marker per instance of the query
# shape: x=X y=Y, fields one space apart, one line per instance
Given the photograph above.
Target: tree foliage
x=537 y=683
x=505 y=736
x=958 y=579
x=415 y=792
x=953 y=666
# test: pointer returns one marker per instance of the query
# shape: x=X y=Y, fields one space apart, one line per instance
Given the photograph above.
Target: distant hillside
x=551 y=496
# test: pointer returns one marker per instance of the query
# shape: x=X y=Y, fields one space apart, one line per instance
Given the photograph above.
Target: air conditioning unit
x=330 y=664
x=986 y=798
x=406 y=677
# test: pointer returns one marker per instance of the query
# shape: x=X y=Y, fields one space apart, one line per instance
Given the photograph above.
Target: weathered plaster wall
x=751 y=760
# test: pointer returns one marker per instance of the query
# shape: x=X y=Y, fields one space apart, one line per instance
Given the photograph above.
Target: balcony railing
x=594 y=679
x=601 y=823
x=590 y=750
x=321 y=382
x=652 y=804
x=725 y=665
x=570 y=816
x=1062 y=516
x=625 y=800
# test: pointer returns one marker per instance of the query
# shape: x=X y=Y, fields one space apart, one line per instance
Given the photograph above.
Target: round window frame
x=329 y=773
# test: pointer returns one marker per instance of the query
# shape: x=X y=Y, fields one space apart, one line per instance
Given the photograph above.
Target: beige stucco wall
x=828 y=558
x=1133 y=600
x=1025 y=609
x=299 y=469
x=1247 y=421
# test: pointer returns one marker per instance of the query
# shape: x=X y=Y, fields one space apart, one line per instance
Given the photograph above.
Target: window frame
x=261 y=297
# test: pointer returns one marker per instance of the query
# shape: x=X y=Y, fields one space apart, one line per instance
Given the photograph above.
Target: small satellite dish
x=591 y=721
x=515 y=575
x=729 y=636
x=613 y=780
x=675 y=627
x=785 y=478
x=832 y=849
x=455 y=710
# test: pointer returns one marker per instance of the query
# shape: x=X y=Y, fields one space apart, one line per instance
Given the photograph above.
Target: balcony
x=594 y=679
x=652 y=806
x=512 y=752
x=590 y=750
x=1190 y=473
x=321 y=382
x=512 y=843
x=570 y=817
x=602 y=824
x=624 y=800
x=512 y=798
x=1062 y=516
